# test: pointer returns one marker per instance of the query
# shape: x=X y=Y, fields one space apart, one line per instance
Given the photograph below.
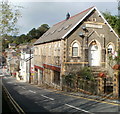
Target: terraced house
x=85 y=39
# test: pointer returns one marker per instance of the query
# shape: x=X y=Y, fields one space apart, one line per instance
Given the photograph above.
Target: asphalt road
x=35 y=99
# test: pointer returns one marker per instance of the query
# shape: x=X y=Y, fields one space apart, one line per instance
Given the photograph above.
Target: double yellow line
x=60 y=92
x=14 y=103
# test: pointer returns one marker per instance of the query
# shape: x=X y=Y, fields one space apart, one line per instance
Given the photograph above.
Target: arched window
x=75 y=47
x=110 y=49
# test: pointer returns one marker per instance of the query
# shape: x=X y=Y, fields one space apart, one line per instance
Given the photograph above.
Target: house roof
x=28 y=50
x=58 y=30
x=63 y=28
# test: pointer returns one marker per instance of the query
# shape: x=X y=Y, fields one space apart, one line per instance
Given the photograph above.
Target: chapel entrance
x=94 y=54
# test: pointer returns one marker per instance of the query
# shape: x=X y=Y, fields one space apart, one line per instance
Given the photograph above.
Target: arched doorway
x=94 y=56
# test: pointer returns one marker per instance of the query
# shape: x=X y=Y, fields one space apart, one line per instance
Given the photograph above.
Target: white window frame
x=111 y=48
x=78 y=50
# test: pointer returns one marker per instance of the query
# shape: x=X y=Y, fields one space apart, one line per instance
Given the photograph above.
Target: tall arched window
x=110 y=49
x=75 y=47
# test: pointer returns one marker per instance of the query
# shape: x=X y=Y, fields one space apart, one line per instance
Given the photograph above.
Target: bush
x=85 y=73
x=69 y=78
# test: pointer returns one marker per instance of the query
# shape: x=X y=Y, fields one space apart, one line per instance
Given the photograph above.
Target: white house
x=26 y=64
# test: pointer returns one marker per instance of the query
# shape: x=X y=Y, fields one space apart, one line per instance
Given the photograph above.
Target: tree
x=9 y=18
x=114 y=21
x=21 y=39
x=32 y=34
x=43 y=28
x=5 y=42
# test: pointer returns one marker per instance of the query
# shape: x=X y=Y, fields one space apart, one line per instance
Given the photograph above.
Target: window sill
x=75 y=56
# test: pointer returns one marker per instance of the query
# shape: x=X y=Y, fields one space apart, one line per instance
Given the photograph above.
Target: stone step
x=97 y=70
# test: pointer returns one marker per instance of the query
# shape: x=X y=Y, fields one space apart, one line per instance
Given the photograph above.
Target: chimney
x=67 y=16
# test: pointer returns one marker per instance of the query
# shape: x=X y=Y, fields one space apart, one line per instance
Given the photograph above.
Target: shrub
x=85 y=73
x=69 y=78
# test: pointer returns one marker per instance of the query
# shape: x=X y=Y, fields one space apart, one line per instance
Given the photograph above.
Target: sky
x=36 y=12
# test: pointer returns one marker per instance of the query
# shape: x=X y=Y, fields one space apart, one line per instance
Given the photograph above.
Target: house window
x=110 y=49
x=75 y=49
x=67 y=27
x=53 y=32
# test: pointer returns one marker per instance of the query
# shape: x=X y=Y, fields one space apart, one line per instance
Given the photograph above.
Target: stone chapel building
x=85 y=39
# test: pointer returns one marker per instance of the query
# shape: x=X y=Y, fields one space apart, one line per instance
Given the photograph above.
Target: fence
x=81 y=85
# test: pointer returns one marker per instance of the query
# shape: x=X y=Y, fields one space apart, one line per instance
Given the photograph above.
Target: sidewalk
x=95 y=97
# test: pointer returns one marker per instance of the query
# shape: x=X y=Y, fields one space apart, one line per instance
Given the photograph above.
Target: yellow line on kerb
x=13 y=102
x=85 y=98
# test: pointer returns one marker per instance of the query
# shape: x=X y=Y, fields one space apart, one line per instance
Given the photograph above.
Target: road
x=32 y=98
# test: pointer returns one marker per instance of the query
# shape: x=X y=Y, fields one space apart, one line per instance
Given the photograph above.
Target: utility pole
x=30 y=65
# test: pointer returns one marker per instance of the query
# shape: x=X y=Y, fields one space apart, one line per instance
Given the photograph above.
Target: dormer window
x=67 y=26
x=60 y=29
x=47 y=34
x=53 y=32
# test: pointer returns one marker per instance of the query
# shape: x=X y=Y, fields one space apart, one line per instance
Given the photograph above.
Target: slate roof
x=27 y=50
x=58 y=30
x=63 y=28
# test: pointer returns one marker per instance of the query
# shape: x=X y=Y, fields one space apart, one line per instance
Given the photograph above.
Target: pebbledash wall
x=47 y=63
x=85 y=39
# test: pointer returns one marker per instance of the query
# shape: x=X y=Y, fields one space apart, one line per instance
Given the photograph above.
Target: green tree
x=114 y=21
x=117 y=57
x=9 y=18
x=21 y=39
x=43 y=28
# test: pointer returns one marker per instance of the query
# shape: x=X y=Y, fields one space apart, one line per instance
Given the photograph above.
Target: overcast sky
x=48 y=12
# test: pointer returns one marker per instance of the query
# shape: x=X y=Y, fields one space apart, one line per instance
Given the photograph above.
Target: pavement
x=95 y=97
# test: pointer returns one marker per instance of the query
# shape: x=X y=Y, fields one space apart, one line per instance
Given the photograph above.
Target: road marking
x=23 y=87
x=78 y=108
x=80 y=97
x=32 y=91
x=47 y=97
x=9 y=82
x=13 y=101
